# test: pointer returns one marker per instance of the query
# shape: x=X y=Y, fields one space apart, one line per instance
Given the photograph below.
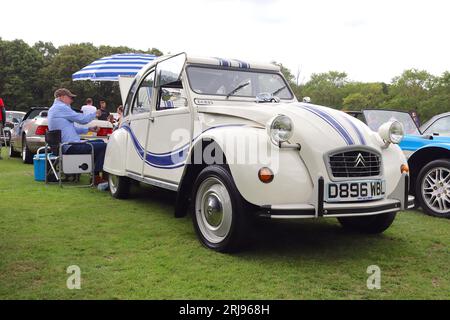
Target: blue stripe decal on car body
x=162 y=161
x=167 y=160
x=332 y=122
x=358 y=132
x=223 y=62
x=243 y=64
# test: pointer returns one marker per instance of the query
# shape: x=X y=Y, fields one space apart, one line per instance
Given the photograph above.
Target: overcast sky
x=371 y=40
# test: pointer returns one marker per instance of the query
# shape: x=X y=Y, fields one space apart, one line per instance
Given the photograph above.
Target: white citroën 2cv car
x=234 y=143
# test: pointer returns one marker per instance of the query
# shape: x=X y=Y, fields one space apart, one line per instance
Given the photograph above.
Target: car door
x=170 y=133
x=169 y=136
x=136 y=123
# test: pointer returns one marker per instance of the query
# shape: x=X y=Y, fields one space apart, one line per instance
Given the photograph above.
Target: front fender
x=115 y=155
x=247 y=150
x=436 y=145
x=421 y=157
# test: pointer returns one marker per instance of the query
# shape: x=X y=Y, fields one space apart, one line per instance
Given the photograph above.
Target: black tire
x=232 y=224
x=27 y=156
x=368 y=224
x=12 y=152
x=119 y=186
x=442 y=190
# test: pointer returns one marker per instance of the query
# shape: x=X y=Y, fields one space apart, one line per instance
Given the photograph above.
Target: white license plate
x=355 y=190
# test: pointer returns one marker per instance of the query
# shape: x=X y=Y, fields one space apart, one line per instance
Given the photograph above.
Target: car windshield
x=10 y=115
x=34 y=113
x=375 y=118
x=441 y=126
x=239 y=83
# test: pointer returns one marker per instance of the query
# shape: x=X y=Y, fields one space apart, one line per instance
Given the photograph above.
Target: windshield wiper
x=278 y=90
x=239 y=87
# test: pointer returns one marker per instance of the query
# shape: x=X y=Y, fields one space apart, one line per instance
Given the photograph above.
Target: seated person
x=62 y=117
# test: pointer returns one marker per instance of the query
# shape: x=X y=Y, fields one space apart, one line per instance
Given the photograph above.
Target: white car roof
x=235 y=63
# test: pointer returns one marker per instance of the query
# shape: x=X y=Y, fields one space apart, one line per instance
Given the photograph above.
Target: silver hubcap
x=113 y=182
x=213 y=210
x=436 y=189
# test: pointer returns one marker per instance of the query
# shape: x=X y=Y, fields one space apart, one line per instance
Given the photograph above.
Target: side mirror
x=165 y=95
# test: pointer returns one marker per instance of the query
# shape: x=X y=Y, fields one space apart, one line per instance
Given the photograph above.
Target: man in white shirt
x=88 y=107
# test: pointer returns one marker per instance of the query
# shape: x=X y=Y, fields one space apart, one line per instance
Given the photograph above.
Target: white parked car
x=29 y=135
x=234 y=143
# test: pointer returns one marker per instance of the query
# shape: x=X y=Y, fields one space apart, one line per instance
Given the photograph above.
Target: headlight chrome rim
x=392 y=132
x=280 y=129
x=396 y=132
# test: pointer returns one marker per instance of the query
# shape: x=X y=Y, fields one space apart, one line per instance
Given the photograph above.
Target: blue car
x=428 y=159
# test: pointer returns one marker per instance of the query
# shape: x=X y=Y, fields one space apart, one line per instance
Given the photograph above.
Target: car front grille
x=354 y=164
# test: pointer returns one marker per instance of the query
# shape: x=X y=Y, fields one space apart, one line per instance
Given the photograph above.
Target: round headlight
x=280 y=129
x=396 y=132
x=392 y=132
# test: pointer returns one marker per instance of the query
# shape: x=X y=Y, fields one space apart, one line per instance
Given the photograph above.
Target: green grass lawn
x=136 y=249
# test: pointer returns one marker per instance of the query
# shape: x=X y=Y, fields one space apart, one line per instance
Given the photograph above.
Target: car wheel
x=7 y=138
x=119 y=186
x=27 y=156
x=219 y=217
x=368 y=224
x=12 y=152
x=433 y=188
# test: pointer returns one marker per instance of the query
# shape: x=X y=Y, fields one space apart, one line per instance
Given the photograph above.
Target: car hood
x=414 y=142
x=318 y=130
x=336 y=128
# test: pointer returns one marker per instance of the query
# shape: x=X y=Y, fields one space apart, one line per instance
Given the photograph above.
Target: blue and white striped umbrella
x=111 y=67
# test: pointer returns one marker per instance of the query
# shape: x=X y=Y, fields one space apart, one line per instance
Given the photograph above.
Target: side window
x=143 y=101
x=172 y=96
x=129 y=97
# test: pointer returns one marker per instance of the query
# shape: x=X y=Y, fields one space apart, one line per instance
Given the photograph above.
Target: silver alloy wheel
x=113 y=183
x=436 y=189
x=213 y=210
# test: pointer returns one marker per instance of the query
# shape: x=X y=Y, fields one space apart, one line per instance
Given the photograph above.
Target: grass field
x=136 y=249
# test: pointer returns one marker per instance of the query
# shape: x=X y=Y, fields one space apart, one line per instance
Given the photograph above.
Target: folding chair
x=67 y=164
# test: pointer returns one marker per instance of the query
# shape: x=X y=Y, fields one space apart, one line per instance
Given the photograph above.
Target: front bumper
x=334 y=210
x=398 y=200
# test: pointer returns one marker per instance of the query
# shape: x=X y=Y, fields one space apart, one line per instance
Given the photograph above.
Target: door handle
x=152 y=119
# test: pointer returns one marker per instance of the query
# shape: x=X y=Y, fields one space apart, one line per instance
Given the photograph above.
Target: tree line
x=413 y=90
x=30 y=74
